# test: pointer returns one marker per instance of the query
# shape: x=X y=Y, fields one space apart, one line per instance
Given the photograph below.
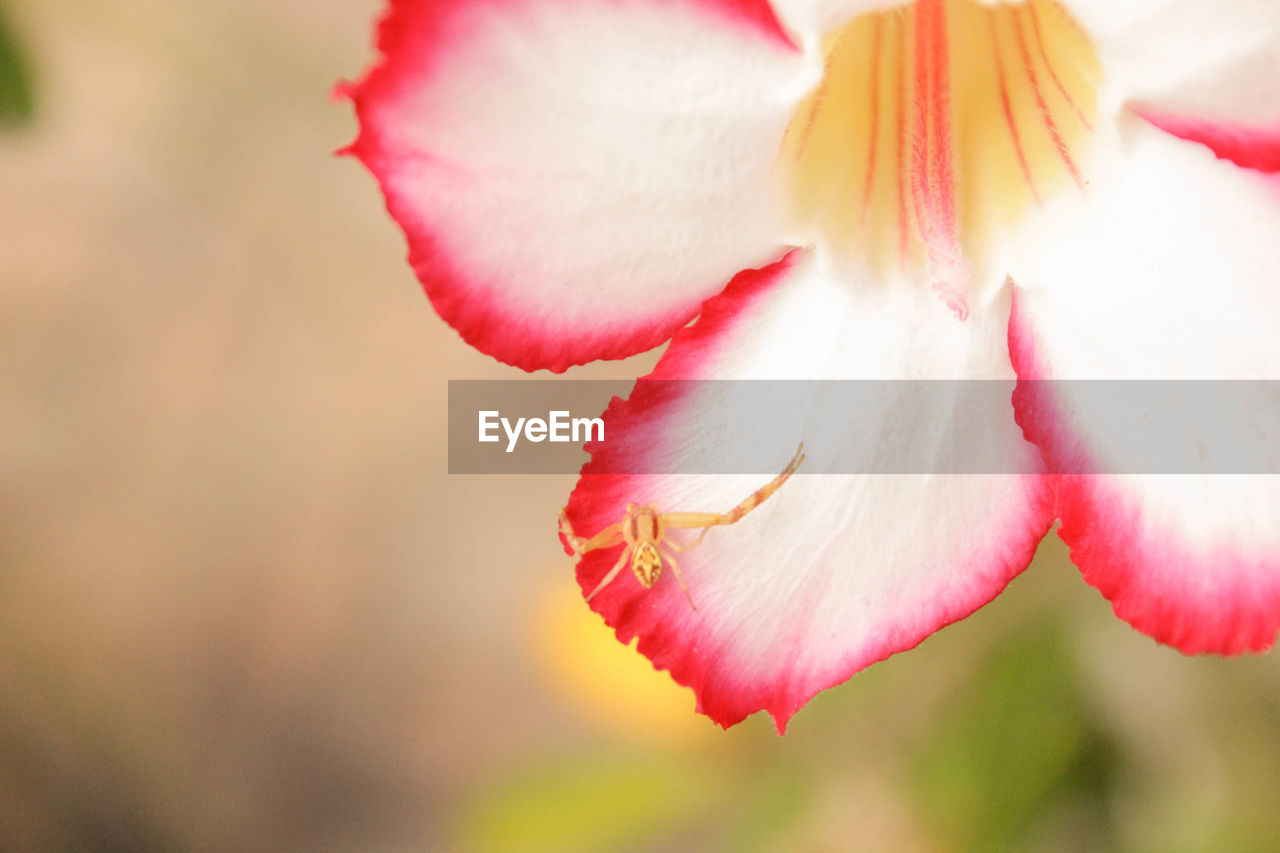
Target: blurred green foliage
x=1007 y=748
x=1013 y=760
x=17 y=103
x=623 y=802
x=770 y=810
x=1018 y=761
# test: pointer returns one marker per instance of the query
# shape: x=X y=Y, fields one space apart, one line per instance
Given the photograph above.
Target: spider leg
x=676 y=546
x=613 y=573
x=675 y=569
x=680 y=548
x=753 y=500
x=606 y=538
x=696 y=542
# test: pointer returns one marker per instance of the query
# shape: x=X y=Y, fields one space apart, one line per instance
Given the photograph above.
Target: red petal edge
x=1121 y=555
x=594 y=503
x=418 y=29
x=1251 y=147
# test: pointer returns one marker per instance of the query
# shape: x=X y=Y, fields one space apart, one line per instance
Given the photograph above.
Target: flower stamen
x=932 y=172
x=937 y=125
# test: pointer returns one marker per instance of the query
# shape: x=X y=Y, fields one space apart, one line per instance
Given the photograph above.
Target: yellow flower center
x=937 y=125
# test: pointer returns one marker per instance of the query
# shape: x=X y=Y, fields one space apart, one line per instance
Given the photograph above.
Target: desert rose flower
x=845 y=189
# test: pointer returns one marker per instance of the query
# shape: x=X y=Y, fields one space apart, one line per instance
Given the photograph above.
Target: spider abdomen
x=646 y=564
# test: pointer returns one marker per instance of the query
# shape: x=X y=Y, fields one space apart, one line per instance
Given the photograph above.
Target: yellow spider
x=643 y=530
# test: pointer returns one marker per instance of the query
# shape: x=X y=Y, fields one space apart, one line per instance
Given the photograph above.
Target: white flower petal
x=1216 y=61
x=576 y=176
x=832 y=572
x=1168 y=271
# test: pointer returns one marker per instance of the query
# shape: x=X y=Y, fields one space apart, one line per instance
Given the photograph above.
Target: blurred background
x=244 y=607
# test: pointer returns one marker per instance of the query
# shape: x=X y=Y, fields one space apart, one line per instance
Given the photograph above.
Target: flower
x=943 y=189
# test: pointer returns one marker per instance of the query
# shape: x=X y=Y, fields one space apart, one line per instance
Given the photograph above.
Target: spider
x=644 y=531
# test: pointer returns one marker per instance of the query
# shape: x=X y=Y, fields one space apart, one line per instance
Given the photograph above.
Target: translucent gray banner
x=917 y=427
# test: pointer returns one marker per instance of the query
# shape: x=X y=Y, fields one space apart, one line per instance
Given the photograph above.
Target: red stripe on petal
x=903 y=163
x=1006 y=107
x=877 y=47
x=1046 y=115
x=1053 y=74
x=933 y=179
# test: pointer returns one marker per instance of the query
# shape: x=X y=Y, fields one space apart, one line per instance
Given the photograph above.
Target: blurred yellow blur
x=613 y=685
